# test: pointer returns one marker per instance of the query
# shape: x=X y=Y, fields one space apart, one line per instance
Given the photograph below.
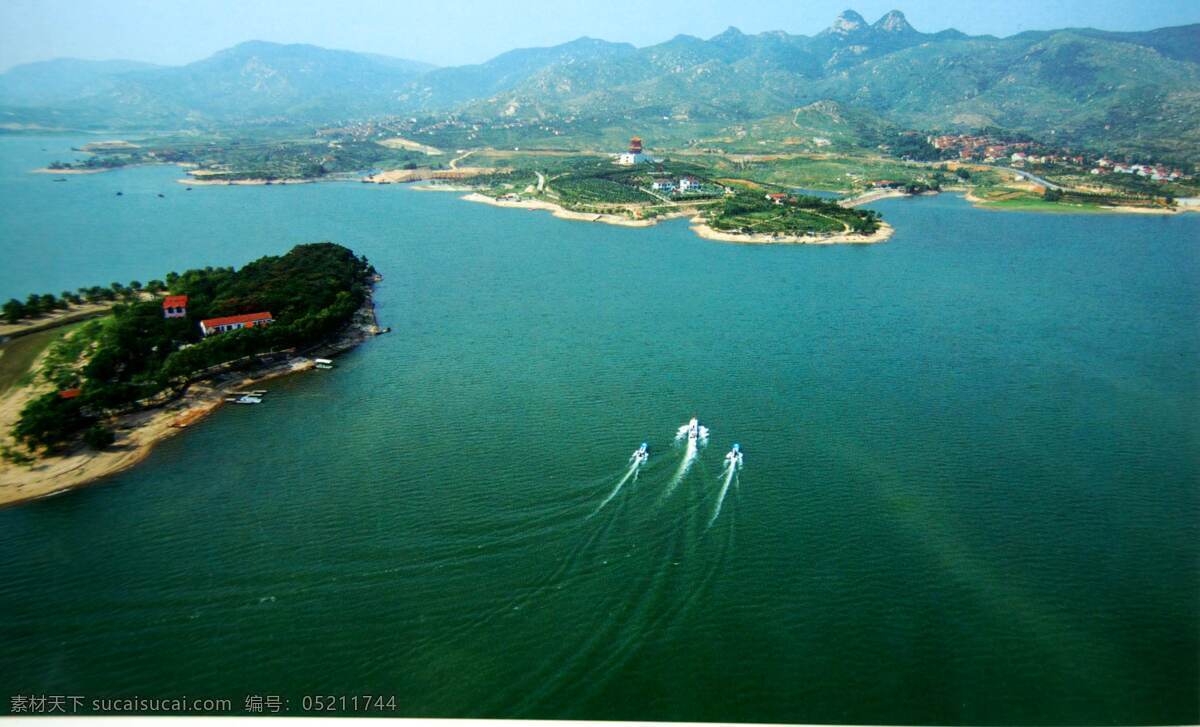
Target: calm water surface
x=970 y=493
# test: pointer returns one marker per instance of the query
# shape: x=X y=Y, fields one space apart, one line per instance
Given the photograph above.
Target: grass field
x=780 y=221
x=824 y=172
x=597 y=190
x=17 y=356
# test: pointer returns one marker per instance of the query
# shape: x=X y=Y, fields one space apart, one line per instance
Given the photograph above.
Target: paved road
x=1034 y=178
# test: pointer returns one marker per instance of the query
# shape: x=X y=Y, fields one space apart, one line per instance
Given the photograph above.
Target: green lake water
x=971 y=490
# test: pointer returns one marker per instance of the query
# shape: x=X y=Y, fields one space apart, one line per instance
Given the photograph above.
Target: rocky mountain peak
x=893 y=22
x=848 y=22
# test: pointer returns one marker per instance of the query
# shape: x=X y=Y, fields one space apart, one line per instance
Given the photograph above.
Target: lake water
x=970 y=491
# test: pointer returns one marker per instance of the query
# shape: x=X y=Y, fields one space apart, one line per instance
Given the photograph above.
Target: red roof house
x=68 y=393
x=210 y=326
x=175 y=306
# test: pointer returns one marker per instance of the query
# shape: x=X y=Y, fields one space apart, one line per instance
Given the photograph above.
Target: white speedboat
x=693 y=431
x=734 y=457
x=640 y=455
x=247 y=400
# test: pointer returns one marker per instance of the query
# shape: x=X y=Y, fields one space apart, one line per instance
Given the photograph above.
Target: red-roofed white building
x=210 y=326
x=175 y=306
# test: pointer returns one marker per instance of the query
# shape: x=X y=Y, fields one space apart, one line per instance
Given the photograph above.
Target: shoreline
x=201 y=182
x=48 y=170
x=699 y=227
x=1038 y=206
x=873 y=196
x=139 y=432
x=563 y=213
x=459 y=188
x=425 y=174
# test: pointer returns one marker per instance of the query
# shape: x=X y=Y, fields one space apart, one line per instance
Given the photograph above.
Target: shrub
x=99 y=436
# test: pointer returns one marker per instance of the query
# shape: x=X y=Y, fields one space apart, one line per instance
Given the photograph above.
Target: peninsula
x=99 y=394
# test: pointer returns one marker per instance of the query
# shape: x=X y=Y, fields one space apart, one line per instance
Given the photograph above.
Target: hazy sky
x=452 y=32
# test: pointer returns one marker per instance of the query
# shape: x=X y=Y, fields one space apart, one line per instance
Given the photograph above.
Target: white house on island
x=210 y=326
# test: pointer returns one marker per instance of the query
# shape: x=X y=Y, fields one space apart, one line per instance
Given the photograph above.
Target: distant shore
x=48 y=170
x=699 y=226
x=1060 y=207
x=201 y=182
x=404 y=176
x=562 y=212
x=873 y=195
x=138 y=432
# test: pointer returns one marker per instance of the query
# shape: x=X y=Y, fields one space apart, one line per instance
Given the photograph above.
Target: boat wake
x=697 y=435
x=730 y=472
x=689 y=458
x=692 y=430
x=631 y=472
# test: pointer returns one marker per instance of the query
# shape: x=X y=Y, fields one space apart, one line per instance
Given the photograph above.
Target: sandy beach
x=872 y=196
x=459 y=188
x=562 y=212
x=137 y=433
x=402 y=176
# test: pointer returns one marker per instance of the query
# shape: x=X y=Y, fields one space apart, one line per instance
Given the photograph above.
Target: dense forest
x=135 y=353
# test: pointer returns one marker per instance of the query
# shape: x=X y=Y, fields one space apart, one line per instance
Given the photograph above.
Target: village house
x=689 y=184
x=175 y=306
x=777 y=197
x=663 y=185
x=210 y=326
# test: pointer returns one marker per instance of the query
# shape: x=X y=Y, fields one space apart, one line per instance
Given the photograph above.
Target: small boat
x=641 y=455
x=734 y=457
x=696 y=431
x=61 y=179
x=247 y=399
x=160 y=194
x=323 y=363
x=120 y=194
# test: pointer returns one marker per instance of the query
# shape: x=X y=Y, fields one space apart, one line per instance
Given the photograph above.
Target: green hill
x=1135 y=91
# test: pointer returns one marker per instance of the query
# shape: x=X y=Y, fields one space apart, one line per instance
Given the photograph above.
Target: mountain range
x=1135 y=90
